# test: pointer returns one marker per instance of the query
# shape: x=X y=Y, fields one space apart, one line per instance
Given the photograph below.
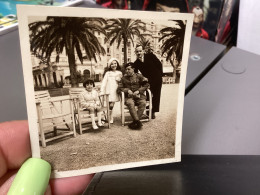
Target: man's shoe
x=131 y=125
x=135 y=125
x=138 y=124
x=153 y=115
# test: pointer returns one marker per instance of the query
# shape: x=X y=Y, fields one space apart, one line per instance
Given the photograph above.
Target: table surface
x=12 y=95
x=203 y=55
x=204 y=174
x=221 y=113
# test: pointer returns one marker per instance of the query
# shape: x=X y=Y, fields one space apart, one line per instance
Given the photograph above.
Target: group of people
x=146 y=72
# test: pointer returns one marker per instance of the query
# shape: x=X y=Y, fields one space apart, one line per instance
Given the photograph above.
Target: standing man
x=134 y=85
x=151 y=67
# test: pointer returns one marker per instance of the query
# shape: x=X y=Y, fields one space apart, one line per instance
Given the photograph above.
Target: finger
x=6 y=181
x=14 y=145
x=48 y=190
x=70 y=185
x=3 y=167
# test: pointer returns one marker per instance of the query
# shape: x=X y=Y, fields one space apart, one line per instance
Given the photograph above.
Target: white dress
x=109 y=84
x=89 y=99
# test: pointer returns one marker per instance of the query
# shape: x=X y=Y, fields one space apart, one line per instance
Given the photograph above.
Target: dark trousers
x=156 y=93
x=140 y=103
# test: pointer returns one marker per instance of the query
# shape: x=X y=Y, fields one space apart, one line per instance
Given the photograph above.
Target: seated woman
x=89 y=101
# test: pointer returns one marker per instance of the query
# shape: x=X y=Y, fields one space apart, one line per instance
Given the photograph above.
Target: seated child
x=89 y=101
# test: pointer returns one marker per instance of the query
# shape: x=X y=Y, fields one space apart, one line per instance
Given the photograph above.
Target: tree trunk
x=50 y=76
x=125 y=50
x=50 y=79
x=73 y=69
x=174 y=69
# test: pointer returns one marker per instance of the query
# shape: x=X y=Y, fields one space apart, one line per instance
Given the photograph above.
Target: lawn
x=156 y=140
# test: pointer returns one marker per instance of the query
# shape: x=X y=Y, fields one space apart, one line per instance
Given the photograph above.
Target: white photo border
x=24 y=11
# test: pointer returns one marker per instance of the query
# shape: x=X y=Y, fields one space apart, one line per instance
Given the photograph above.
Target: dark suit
x=152 y=69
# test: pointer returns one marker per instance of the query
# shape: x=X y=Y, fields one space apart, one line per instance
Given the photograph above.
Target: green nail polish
x=32 y=178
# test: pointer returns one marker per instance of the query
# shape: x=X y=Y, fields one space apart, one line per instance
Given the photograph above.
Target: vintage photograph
x=104 y=88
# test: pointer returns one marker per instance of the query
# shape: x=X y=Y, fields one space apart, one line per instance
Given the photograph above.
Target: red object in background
x=137 y=4
x=202 y=34
x=227 y=29
x=182 y=5
x=211 y=13
x=111 y=4
x=145 y=5
x=224 y=21
x=198 y=22
x=101 y=1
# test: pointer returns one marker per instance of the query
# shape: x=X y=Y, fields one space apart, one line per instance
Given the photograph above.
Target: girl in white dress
x=109 y=84
x=89 y=101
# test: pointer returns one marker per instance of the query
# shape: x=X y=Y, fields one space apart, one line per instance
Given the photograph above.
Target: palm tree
x=73 y=34
x=173 y=41
x=123 y=29
x=146 y=44
x=172 y=46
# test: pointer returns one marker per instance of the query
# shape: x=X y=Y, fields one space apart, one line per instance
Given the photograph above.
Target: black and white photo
x=104 y=88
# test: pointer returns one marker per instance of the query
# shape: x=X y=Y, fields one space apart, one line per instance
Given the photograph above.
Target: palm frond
x=173 y=38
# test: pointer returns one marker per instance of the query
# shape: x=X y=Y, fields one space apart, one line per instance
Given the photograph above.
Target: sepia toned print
x=104 y=88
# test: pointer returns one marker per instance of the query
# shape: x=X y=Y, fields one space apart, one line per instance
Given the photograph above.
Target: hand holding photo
x=104 y=88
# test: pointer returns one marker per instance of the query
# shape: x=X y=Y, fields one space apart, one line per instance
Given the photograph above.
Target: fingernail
x=32 y=178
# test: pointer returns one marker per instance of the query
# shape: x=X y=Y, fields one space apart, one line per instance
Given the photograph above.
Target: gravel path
x=119 y=144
